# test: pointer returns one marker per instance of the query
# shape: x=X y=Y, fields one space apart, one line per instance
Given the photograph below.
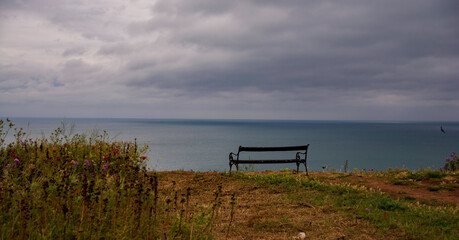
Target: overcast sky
x=239 y=59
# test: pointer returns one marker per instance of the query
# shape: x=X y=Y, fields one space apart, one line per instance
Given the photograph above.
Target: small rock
x=301 y=235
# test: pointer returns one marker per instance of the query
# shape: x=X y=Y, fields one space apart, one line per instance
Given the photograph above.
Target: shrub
x=452 y=163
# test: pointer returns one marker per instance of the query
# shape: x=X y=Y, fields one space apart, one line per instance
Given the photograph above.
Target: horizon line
x=229 y=119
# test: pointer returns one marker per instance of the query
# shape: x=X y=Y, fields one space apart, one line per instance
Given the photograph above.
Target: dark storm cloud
x=383 y=45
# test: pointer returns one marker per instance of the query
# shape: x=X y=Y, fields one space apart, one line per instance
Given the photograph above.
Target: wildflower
x=75 y=162
x=54 y=150
x=16 y=160
x=8 y=165
x=87 y=162
x=368 y=210
x=105 y=166
x=385 y=214
x=143 y=157
x=14 y=155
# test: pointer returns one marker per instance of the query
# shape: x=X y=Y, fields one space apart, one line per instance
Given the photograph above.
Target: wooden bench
x=301 y=150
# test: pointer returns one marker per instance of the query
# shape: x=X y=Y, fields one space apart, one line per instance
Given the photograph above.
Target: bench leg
x=306 y=167
x=297 y=167
x=231 y=165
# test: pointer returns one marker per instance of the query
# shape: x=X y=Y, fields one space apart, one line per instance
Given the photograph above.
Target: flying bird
x=442 y=130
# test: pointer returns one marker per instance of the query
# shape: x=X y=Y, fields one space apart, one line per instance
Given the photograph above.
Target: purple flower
x=105 y=166
x=75 y=162
x=16 y=160
x=368 y=210
x=87 y=162
x=8 y=165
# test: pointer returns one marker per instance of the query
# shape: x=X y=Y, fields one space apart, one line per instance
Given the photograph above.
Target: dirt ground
x=270 y=213
x=430 y=190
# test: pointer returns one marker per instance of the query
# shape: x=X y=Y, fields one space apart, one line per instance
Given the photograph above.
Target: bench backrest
x=273 y=149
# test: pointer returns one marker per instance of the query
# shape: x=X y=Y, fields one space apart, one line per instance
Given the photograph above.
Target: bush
x=452 y=163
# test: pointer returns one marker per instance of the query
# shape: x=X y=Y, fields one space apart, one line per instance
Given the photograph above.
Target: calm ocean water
x=204 y=145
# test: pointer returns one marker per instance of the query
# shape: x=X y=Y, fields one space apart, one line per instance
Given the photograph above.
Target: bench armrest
x=299 y=153
x=231 y=156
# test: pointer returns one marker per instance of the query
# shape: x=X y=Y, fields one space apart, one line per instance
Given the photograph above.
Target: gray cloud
x=75 y=51
x=341 y=59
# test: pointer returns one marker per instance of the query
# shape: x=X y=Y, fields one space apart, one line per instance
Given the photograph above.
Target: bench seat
x=269 y=161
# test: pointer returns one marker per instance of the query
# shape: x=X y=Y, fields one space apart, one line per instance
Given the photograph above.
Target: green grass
x=412 y=175
x=417 y=220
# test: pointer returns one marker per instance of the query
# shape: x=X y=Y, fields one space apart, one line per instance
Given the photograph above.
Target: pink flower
x=87 y=162
x=105 y=166
x=16 y=160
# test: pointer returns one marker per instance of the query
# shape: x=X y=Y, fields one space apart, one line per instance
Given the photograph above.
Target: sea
x=204 y=145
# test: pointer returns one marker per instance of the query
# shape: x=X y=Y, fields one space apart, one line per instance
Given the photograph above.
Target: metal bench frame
x=301 y=150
